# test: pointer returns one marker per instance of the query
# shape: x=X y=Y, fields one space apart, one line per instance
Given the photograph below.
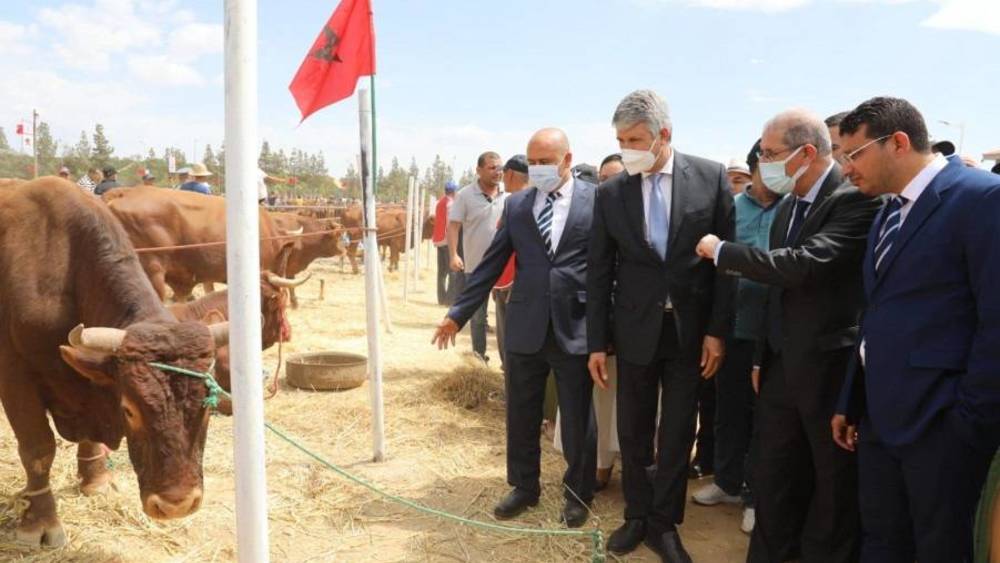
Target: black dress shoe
x=668 y=546
x=627 y=537
x=574 y=514
x=516 y=502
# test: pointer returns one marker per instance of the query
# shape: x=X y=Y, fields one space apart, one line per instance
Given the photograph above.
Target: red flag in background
x=344 y=51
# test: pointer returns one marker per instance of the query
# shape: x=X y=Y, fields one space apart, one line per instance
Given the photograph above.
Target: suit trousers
x=733 y=415
x=525 y=386
x=673 y=378
x=918 y=501
x=804 y=485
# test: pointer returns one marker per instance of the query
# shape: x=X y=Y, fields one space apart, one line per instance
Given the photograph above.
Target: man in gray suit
x=548 y=226
x=671 y=311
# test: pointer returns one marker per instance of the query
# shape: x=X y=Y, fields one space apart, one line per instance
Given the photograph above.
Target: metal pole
x=408 y=239
x=243 y=271
x=371 y=276
x=34 y=139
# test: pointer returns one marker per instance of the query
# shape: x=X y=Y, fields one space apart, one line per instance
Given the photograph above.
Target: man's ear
x=93 y=365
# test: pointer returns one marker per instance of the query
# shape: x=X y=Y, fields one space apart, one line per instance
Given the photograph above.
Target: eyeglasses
x=770 y=156
x=850 y=157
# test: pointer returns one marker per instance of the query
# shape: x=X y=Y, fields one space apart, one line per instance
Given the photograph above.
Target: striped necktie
x=545 y=222
x=890 y=229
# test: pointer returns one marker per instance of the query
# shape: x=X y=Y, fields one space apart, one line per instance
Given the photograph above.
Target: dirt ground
x=439 y=453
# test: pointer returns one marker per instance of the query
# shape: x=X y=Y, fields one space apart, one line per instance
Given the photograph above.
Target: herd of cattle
x=83 y=285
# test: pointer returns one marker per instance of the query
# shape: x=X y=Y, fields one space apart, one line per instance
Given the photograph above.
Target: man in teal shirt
x=736 y=382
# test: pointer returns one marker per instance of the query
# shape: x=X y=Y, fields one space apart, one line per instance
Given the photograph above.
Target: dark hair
x=610 y=158
x=585 y=172
x=884 y=116
x=488 y=155
x=996 y=168
x=753 y=157
x=835 y=119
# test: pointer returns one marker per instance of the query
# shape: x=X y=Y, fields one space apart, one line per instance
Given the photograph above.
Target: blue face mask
x=545 y=177
x=774 y=177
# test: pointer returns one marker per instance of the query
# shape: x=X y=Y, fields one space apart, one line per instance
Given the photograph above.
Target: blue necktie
x=798 y=217
x=658 y=224
x=890 y=229
x=545 y=222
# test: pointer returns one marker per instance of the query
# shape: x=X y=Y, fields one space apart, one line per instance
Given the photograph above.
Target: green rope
x=212 y=401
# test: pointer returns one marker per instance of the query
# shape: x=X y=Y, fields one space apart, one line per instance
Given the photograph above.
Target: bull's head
x=273 y=298
x=333 y=238
x=162 y=413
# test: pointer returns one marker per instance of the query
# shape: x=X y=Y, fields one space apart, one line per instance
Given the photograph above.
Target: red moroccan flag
x=344 y=51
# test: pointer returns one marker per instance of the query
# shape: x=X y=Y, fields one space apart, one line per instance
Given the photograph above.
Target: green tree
x=103 y=151
x=351 y=182
x=436 y=176
x=468 y=177
x=46 y=148
x=208 y=159
x=4 y=145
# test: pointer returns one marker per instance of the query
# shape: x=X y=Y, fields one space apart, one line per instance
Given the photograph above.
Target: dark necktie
x=545 y=221
x=798 y=217
x=890 y=230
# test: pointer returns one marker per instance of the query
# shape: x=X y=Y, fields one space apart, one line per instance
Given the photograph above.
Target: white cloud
x=16 y=39
x=86 y=37
x=971 y=15
x=159 y=69
x=194 y=40
x=745 y=5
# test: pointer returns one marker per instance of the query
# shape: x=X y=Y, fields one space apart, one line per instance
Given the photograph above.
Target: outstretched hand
x=445 y=333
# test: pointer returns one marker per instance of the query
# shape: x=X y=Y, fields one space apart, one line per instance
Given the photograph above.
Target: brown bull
x=390 y=222
x=159 y=218
x=65 y=262
x=214 y=307
x=318 y=238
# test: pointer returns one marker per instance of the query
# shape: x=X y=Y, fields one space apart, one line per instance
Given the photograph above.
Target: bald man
x=547 y=225
x=805 y=486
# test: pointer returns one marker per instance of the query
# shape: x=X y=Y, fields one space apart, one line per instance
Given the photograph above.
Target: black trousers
x=525 y=383
x=734 y=400
x=674 y=378
x=804 y=485
x=704 y=442
x=918 y=501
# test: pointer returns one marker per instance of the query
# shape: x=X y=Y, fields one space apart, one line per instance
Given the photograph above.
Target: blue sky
x=458 y=77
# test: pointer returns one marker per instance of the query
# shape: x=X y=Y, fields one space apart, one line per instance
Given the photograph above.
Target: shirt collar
x=923 y=178
x=566 y=189
x=668 y=166
x=814 y=190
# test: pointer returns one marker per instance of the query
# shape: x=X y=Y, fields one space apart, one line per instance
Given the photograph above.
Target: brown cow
x=155 y=217
x=65 y=261
x=319 y=238
x=214 y=307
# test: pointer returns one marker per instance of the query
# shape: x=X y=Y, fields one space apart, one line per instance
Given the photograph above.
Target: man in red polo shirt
x=446 y=279
x=515 y=179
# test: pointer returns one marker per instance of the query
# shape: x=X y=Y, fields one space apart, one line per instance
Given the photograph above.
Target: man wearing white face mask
x=804 y=485
x=671 y=312
x=548 y=226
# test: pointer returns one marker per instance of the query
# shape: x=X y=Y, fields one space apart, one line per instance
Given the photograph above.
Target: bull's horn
x=97 y=338
x=296 y=232
x=220 y=333
x=279 y=281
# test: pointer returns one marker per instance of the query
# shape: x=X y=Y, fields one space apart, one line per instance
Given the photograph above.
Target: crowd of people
x=822 y=318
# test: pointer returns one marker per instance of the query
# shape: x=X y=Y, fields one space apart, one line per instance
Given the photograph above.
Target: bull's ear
x=95 y=366
x=214 y=316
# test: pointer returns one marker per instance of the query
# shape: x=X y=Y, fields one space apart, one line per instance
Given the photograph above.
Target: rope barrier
x=212 y=400
x=390 y=235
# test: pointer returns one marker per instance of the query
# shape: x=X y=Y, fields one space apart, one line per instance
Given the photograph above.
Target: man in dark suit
x=548 y=226
x=805 y=484
x=923 y=391
x=671 y=311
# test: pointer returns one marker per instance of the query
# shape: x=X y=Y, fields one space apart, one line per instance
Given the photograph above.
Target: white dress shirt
x=666 y=190
x=560 y=210
x=912 y=192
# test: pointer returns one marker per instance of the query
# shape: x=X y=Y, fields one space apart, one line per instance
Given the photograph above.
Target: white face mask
x=545 y=177
x=774 y=177
x=636 y=161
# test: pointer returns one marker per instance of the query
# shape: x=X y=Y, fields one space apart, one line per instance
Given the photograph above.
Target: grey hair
x=642 y=106
x=802 y=127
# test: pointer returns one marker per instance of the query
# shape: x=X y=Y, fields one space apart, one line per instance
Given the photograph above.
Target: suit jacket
x=932 y=324
x=623 y=268
x=545 y=290
x=815 y=298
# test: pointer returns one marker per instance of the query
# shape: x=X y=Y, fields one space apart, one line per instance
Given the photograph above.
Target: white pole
x=428 y=244
x=408 y=240
x=372 y=270
x=419 y=232
x=243 y=271
x=411 y=254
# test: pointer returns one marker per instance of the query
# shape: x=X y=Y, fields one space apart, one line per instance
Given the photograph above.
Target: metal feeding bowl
x=326 y=371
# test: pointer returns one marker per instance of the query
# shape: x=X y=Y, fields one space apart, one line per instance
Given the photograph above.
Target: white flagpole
x=243 y=271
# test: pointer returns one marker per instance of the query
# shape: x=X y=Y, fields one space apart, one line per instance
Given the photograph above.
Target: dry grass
x=445 y=436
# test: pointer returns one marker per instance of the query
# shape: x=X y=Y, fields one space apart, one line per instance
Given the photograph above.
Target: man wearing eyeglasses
x=803 y=483
x=921 y=403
